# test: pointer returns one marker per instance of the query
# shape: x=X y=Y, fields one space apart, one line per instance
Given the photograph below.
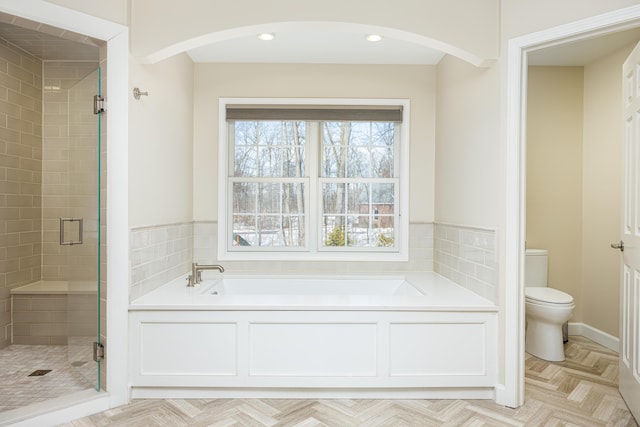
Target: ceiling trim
x=302 y=26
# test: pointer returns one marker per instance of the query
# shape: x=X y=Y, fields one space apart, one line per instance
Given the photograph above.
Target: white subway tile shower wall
x=468 y=256
x=159 y=254
x=420 y=255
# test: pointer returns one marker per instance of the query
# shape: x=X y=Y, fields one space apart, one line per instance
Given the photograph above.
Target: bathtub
x=388 y=336
x=302 y=285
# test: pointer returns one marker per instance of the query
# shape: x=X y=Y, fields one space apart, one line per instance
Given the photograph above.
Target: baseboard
x=57 y=411
x=501 y=397
x=595 y=335
x=473 y=393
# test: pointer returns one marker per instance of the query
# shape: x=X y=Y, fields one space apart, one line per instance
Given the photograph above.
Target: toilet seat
x=544 y=295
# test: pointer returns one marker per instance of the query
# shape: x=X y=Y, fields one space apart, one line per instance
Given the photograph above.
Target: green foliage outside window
x=384 y=240
x=336 y=237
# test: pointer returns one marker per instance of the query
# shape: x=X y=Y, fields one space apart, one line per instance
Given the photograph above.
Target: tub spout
x=196 y=271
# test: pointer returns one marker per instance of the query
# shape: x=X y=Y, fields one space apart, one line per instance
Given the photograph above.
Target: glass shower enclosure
x=51 y=175
x=79 y=225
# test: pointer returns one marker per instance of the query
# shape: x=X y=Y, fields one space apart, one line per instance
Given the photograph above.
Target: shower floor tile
x=18 y=362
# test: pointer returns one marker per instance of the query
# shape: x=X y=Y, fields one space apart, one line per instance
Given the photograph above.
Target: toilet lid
x=548 y=295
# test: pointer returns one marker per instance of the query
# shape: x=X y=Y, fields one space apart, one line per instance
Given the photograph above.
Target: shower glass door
x=80 y=228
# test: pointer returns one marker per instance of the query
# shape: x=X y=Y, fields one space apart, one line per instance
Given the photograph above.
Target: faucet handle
x=190 y=282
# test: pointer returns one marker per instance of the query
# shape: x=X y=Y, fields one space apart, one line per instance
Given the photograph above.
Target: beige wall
x=519 y=18
x=111 y=10
x=580 y=185
x=20 y=175
x=470 y=25
x=554 y=174
x=152 y=33
x=160 y=143
x=528 y=16
x=414 y=82
x=467 y=146
x=602 y=163
x=516 y=18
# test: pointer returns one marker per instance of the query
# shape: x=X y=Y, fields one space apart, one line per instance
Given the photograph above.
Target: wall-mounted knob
x=137 y=93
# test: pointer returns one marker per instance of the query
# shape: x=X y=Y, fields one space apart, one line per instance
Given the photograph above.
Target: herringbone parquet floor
x=581 y=391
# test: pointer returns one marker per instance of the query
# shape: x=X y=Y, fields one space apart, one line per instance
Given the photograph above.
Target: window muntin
x=291 y=184
x=357 y=178
x=355 y=216
x=268 y=148
x=268 y=184
x=358 y=149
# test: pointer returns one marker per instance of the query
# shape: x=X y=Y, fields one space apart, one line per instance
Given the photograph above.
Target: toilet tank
x=535 y=267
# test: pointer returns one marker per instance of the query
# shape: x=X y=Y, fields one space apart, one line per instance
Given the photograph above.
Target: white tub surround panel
x=158 y=255
x=469 y=257
x=187 y=342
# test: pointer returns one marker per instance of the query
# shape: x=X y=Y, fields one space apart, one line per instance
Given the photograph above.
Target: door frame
x=116 y=37
x=514 y=320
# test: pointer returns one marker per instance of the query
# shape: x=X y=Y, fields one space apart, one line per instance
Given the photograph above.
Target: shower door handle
x=63 y=222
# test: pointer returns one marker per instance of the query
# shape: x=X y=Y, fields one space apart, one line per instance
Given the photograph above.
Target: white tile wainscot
x=186 y=342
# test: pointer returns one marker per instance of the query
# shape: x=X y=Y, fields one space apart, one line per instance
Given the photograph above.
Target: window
x=313 y=179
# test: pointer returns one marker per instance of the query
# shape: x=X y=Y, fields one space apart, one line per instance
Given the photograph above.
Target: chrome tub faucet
x=196 y=272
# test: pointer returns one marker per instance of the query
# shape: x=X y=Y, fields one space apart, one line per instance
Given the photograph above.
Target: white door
x=629 y=375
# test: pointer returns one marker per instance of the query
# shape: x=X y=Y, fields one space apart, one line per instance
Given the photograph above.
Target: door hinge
x=98 y=104
x=98 y=352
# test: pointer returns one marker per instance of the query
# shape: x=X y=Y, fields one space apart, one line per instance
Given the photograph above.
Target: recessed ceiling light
x=266 y=36
x=374 y=37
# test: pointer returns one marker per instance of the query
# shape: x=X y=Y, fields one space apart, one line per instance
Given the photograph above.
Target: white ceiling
x=320 y=47
x=336 y=47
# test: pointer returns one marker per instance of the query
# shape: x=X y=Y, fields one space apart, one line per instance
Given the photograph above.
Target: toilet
x=546 y=309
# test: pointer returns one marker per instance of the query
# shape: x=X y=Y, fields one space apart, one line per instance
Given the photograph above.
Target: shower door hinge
x=98 y=104
x=98 y=352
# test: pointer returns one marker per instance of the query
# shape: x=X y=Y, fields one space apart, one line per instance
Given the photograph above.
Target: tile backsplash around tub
x=159 y=254
x=465 y=255
x=468 y=257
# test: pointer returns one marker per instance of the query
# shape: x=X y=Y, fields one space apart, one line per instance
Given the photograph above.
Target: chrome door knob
x=619 y=245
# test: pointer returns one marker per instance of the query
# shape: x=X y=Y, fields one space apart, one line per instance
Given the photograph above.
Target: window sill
x=315 y=256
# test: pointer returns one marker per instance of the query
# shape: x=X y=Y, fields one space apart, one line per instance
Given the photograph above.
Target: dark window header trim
x=355 y=113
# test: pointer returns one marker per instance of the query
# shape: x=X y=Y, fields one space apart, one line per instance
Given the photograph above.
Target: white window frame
x=313 y=205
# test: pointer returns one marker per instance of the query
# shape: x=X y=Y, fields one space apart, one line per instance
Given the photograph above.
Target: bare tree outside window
x=268 y=212
x=358 y=206
x=270 y=183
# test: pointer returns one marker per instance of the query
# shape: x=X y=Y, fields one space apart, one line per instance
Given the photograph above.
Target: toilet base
x=544 y=340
